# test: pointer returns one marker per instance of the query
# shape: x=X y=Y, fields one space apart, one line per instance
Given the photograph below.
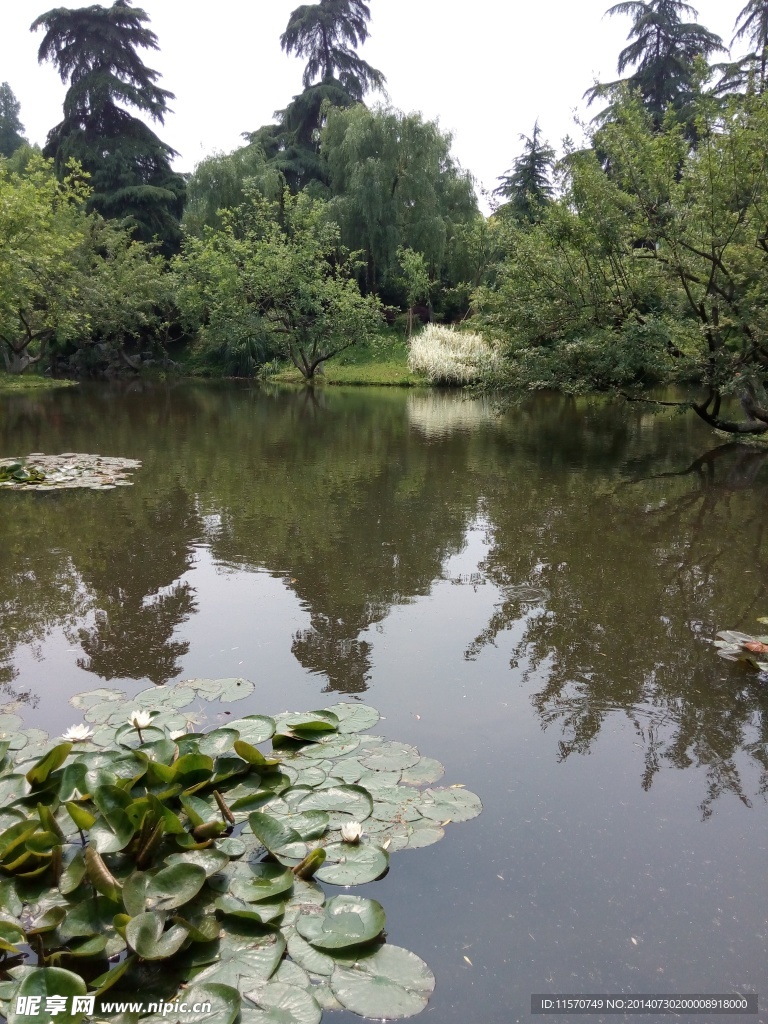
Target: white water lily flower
x=77 y=734
x=140 y=719
x=351 y=831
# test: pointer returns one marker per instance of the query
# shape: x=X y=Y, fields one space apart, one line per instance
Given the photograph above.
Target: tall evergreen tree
x=11 y=128
x=327 y=33
x=663 y=49
x=527 y=187
x=95 y=49
x=752 y=69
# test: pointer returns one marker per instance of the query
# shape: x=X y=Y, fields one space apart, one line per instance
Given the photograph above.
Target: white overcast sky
x=485 y=68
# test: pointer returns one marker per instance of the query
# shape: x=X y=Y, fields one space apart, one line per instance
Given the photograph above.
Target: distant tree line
x=637 y=257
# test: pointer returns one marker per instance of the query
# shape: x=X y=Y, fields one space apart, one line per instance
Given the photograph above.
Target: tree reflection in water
x=616 y=585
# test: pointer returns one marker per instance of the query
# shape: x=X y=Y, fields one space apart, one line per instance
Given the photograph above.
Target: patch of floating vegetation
x=63 y=472
x=140 y=853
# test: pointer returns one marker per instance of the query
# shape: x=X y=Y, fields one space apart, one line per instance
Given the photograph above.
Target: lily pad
x=224 y=1001
x=352 y=864
x=390 y=757
x=354 y=717
x=449 y=804
x=225 y=690
x=145 y=935
x=174 y=886
x=44 y=982
x=390 y=984
x=347 y=803
x=263 y=882
x=425 y=771
x=343 y=921
x=254 y=729
x=277 y=1003
x=248 y=954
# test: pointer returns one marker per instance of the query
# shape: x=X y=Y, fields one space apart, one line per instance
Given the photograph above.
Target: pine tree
x=11 y=128
x=95 y=49
x=527 y=186
x=663 y=51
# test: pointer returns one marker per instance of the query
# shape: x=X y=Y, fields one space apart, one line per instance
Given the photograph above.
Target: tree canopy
x=393 y=183
x=95 y=50
x=527 y=186
x=327 y=34
x=11 y=128
x=662 y=51
x=276 y=271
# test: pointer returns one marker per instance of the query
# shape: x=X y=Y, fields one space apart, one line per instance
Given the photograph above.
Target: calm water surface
x=529 y=598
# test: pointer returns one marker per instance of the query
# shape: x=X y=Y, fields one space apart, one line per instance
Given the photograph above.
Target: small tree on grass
x=277 y=269
x=415 y=278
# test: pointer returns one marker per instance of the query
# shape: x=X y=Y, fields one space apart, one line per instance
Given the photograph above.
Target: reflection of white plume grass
x=436 y=413
x=448 y=356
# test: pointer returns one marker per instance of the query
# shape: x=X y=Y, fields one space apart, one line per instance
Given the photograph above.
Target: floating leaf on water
x=277 y=1003
x=425 y=771
x=44 y=982
x=335 y=746
x=390 y=757
x=224 y=690
x=249 y=953
x=343 y=921
x=311 y=959
x=350 y=864
x=449 y=804
x=390 y=984
x=254 y=729
x=224 y=1001
x=263 y=882
x=354 y=717
x=348 y=803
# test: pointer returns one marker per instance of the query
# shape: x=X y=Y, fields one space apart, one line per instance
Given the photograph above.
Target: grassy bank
x=31 y=382
x=380 y=366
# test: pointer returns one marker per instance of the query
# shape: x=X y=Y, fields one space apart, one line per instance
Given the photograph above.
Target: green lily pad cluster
x=138 y=857
x=735 y=646
x=19 y=473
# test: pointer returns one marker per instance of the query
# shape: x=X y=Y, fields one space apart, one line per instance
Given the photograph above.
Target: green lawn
x=381 y=366
x=31 y=382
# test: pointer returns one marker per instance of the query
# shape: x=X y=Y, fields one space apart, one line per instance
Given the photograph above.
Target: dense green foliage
x=11 y=128
x=275 y=275
x=74 y=288
x=656 y=271
x=663 y=52
x=95 y=49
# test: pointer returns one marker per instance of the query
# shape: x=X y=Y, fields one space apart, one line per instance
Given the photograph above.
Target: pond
x=528 y=597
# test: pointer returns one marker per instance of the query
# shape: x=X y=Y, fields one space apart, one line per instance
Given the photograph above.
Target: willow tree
x=662 y=52
x=394 y=183
x=95 y=49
